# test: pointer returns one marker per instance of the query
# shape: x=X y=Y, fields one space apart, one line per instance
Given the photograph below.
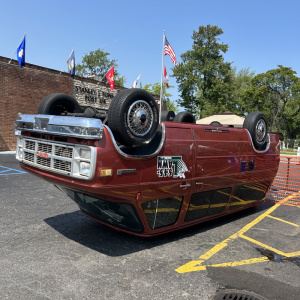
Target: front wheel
x=133 y=117
x=257 y=125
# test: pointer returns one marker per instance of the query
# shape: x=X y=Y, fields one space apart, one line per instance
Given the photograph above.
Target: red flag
x=110 y=75
x=169 y=51
x=166 y=75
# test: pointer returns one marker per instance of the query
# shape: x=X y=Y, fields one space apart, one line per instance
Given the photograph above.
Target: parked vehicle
x=128 y=170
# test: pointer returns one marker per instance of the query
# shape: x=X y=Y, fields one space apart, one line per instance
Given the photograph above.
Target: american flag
x=169 y=51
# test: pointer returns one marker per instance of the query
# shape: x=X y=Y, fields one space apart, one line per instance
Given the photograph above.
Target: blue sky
x=260 y=34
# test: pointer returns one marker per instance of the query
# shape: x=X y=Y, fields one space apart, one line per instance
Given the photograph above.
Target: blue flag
x=21 y=53
x=71 y=64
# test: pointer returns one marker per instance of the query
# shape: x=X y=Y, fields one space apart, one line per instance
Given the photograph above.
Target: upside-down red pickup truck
x=145 y=172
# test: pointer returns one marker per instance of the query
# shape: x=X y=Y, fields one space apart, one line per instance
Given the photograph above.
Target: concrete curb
x=8 y=152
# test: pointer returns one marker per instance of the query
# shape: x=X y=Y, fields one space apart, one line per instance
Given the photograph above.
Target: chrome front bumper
x=85 y=128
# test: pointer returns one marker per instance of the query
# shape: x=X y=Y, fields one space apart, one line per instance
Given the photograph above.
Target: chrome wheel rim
x=261 y=130
x=140 y=118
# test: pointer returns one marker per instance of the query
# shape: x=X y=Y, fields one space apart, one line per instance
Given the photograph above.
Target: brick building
x=22 y=89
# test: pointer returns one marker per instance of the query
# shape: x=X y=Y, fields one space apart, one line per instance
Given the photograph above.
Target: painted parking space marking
x=281 y=220
x=263 y=245
x=228 y=264
x=197 y=265
x=9 y=171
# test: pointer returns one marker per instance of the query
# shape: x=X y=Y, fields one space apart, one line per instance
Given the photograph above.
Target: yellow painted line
x=263 y=245
x=292 y=254
x=281 y=220
x=194 y=264
x=230 y=264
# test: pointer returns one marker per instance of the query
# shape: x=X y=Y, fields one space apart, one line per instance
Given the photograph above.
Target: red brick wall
x=21 y=90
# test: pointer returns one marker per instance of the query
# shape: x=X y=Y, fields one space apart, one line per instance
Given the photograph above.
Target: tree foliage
x=155 y=89
x=97 y=63
x=242 y=81
x=277 y=94
x=205 y=81
x=208 y=85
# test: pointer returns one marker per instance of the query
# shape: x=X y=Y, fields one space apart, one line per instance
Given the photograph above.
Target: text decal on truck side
x=171 y=166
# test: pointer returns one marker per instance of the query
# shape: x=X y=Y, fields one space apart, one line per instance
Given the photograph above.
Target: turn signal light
x=106 y=172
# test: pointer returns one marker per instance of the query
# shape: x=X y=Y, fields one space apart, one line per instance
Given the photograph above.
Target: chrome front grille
x=73 y=160
x=29 y=145
x=29 y=157
x=48 y=155
x=62 y=165
x=46 y=162
x=63 y=151
x=46 y=148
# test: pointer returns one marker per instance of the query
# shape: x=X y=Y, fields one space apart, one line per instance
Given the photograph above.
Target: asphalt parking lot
x=50 y=250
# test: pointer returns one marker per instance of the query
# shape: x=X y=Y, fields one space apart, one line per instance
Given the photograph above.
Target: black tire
x=215 y=123
x=185 y=117
x=167 y=115
x=111 y=110
x=257 y=125
x=133 y=117
x=57 y=104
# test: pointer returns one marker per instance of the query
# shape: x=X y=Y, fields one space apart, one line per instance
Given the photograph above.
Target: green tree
x=242 y=81
x=97 y=63
x=155 y=89
x=277 y=94
x=204 y=80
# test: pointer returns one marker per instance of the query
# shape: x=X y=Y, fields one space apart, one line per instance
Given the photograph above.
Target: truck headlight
x=20 y=145
x=20 y=153
x=84 y=161
x=85 y=168
x=85 y=153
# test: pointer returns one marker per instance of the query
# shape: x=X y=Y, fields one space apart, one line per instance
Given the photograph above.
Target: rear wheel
x=185 y=117
x=58 y=104
x=133 y=117
x=257 y=125
x=215 y=123
x=167 y=115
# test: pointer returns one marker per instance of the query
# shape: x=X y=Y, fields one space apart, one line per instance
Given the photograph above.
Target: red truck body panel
x=201 y=172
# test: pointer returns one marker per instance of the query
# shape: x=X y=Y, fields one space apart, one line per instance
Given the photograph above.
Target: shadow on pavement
x=81 y=229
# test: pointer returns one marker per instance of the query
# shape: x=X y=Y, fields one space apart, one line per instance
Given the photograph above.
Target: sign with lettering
x=171 y=166
x=93 y=94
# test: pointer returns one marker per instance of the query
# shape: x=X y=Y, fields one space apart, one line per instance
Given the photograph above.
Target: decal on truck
x=171 y=166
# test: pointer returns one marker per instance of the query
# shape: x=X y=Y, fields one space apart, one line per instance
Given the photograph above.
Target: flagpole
x=137 y=80
x=161 y=81
x=66 y=61
x=104 y=76
x=17 y=47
